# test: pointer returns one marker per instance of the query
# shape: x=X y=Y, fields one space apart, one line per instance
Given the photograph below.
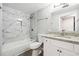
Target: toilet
x=35 y=47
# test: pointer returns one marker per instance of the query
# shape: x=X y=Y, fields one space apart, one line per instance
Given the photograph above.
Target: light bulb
x=19 y=19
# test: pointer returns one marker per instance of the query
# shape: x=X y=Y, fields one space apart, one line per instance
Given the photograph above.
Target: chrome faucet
x=63 y=32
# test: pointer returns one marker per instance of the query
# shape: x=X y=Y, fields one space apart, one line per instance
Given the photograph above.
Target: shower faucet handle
x=2 y=30
x=0 y=7
x=3 y=43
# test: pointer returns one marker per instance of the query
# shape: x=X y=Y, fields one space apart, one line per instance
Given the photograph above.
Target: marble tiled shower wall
x=0 y=27
x=11 y=28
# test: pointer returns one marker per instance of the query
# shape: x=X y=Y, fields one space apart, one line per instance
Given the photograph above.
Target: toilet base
x=36 y=52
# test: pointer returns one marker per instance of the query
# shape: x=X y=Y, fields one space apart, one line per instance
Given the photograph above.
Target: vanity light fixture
x=19 y=20
x=63 y=5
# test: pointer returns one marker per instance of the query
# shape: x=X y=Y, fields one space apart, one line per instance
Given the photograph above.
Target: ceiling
x=26 y=7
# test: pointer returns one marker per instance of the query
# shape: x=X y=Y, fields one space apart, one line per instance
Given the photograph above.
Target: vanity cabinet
x=76 y=48
x=64 y=52
x=54 y=47
x=49 y=48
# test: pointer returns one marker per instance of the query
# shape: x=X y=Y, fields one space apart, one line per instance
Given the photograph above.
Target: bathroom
x=30 y=29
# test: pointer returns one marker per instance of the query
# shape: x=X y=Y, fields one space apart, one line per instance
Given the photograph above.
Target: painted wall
x=11 y=28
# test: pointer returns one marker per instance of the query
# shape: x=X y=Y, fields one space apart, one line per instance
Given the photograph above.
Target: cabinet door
x=49 y=48
x=76 y=48
x=64 y=52
x=64 y=45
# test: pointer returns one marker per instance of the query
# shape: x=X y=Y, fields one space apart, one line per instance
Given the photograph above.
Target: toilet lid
x=35 y=43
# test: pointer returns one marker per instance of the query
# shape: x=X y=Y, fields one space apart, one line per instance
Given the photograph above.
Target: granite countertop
x=72 y=39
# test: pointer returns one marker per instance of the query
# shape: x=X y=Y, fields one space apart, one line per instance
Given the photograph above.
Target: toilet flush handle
x=46 y=40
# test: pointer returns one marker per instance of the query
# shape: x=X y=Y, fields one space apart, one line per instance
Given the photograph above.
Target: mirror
x=67 y=23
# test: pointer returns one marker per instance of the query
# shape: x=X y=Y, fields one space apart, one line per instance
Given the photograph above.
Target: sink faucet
x=63 y=33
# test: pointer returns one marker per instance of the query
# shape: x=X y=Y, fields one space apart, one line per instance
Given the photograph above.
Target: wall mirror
x=67 y=23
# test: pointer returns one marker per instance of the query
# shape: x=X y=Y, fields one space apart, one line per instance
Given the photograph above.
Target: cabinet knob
x=0 y=7
x=60 y=51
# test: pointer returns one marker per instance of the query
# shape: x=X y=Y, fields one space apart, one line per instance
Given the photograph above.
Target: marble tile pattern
x=11 y=28
x=0 y=27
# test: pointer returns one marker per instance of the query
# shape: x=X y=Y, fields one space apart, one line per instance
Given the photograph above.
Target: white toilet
x=35 y=47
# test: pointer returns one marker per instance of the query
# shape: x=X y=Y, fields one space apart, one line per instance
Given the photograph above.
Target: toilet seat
x=35 y=45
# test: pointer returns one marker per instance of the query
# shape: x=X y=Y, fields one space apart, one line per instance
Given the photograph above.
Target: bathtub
x=15 y=48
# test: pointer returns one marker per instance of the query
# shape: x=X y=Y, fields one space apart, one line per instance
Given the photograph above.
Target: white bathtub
x=15 y=48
